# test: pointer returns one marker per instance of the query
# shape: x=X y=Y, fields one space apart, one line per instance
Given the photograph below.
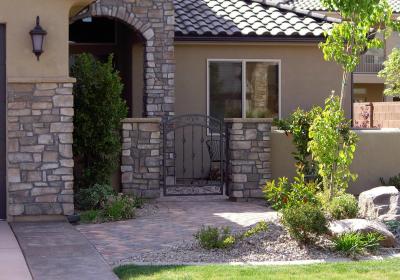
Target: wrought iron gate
x=194 y=155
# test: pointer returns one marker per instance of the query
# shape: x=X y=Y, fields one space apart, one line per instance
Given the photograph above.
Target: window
x=243 y=88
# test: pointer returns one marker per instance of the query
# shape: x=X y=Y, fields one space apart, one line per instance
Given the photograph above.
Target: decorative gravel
x=273 y=245
x=147 y=209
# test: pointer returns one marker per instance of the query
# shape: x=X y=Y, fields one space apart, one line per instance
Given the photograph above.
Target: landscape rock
x=337 y=228
x=381 y=203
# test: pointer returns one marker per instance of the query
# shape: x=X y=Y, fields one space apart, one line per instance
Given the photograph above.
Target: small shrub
x=344 y=206
x=258 y=228
x=356 y=243
x=393 y=181
x=215 y=238
x=304 y=221
x=94 y=197
x=119 y=207
x=393 y=226
x=90 y=216
x=285 y=194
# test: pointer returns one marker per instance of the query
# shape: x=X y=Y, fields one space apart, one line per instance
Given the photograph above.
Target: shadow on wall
x=376 y=156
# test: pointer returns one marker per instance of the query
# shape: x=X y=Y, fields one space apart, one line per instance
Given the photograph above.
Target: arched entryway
x=102 y=37
x=153 y=23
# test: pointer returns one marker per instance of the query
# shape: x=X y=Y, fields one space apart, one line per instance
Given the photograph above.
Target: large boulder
x=381 y=203
x=337 y=228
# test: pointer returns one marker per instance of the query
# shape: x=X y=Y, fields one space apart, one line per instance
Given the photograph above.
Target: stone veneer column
x=249 y=157
x=40 y=160
x=155 y=21
x=141 y=157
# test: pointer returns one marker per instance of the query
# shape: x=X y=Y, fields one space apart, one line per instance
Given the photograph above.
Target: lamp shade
x=38 y=34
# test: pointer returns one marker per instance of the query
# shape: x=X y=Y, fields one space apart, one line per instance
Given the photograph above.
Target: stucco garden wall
x=376 y=156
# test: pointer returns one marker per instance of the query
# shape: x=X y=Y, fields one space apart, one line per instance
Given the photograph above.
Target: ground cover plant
x=367 y=270
x=222 y=237
x=393 y=181
x=354 y=243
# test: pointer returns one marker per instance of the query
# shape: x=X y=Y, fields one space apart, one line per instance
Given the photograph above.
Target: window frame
x=244 y=76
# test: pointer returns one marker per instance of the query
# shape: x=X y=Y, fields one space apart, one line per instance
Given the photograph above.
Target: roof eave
x=284 y=39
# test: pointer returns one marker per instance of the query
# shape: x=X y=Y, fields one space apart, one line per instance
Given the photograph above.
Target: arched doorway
x=101 y=37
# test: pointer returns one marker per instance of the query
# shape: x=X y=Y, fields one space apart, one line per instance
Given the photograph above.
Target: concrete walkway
x=12 y=262
x=175 y=221
x=56 y=251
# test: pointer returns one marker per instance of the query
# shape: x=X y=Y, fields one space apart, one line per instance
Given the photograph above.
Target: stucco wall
x=376 y=156
x=306 y=78
x=20 y=17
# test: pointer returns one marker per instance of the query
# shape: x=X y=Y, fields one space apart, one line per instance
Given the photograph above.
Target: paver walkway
x=175 y=221
x=57 y=251
x=12 y=261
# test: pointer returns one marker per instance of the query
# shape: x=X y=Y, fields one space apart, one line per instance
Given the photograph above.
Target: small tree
x=99 y=109
x=361 y=21
x=391 y=74
x=332 y=146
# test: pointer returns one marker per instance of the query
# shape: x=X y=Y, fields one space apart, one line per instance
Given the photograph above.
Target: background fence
x=376 y=115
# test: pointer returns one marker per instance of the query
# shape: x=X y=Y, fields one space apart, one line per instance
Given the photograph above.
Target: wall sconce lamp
x=37 y=35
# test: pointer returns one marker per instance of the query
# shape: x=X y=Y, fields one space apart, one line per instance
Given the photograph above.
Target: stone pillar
x=155 y=21
x=141 y=157
x=249 y=157
x=40 y=160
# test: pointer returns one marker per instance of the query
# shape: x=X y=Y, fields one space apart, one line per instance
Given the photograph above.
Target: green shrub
x=356 y=243
x=258 y=228
x=94 y=197
x=99 y=108
x=91 y=216
x=393 y=181
x=344 y=206
x=298 y=125
x=332 y=146
x=119 y=207
x=215 y=238
x=304 y=221
x=285 y=194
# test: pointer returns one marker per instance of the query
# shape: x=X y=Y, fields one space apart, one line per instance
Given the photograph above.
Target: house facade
x=195 y=65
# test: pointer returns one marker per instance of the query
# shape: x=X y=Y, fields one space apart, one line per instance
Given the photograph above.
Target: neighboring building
x=243 y=61
x=367 y=86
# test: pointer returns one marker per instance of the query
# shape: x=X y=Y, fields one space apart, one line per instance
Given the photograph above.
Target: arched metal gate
x=194 y=155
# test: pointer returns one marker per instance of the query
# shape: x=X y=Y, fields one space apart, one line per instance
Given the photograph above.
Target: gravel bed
x=148 y=208
x=273 y=245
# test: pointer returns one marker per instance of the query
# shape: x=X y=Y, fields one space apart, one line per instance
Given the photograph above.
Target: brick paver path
x=175 y=221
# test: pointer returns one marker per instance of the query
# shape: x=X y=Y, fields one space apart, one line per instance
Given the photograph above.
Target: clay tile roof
x=245 y=18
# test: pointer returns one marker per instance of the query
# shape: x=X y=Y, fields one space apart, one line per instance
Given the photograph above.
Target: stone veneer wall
x=155 y=21
x=40 y=160
x=249 y=157
x=141 y=157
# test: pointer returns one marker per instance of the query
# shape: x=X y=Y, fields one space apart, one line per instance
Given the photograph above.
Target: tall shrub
x=298 y=125
x=99 y=108
x=332 y=146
